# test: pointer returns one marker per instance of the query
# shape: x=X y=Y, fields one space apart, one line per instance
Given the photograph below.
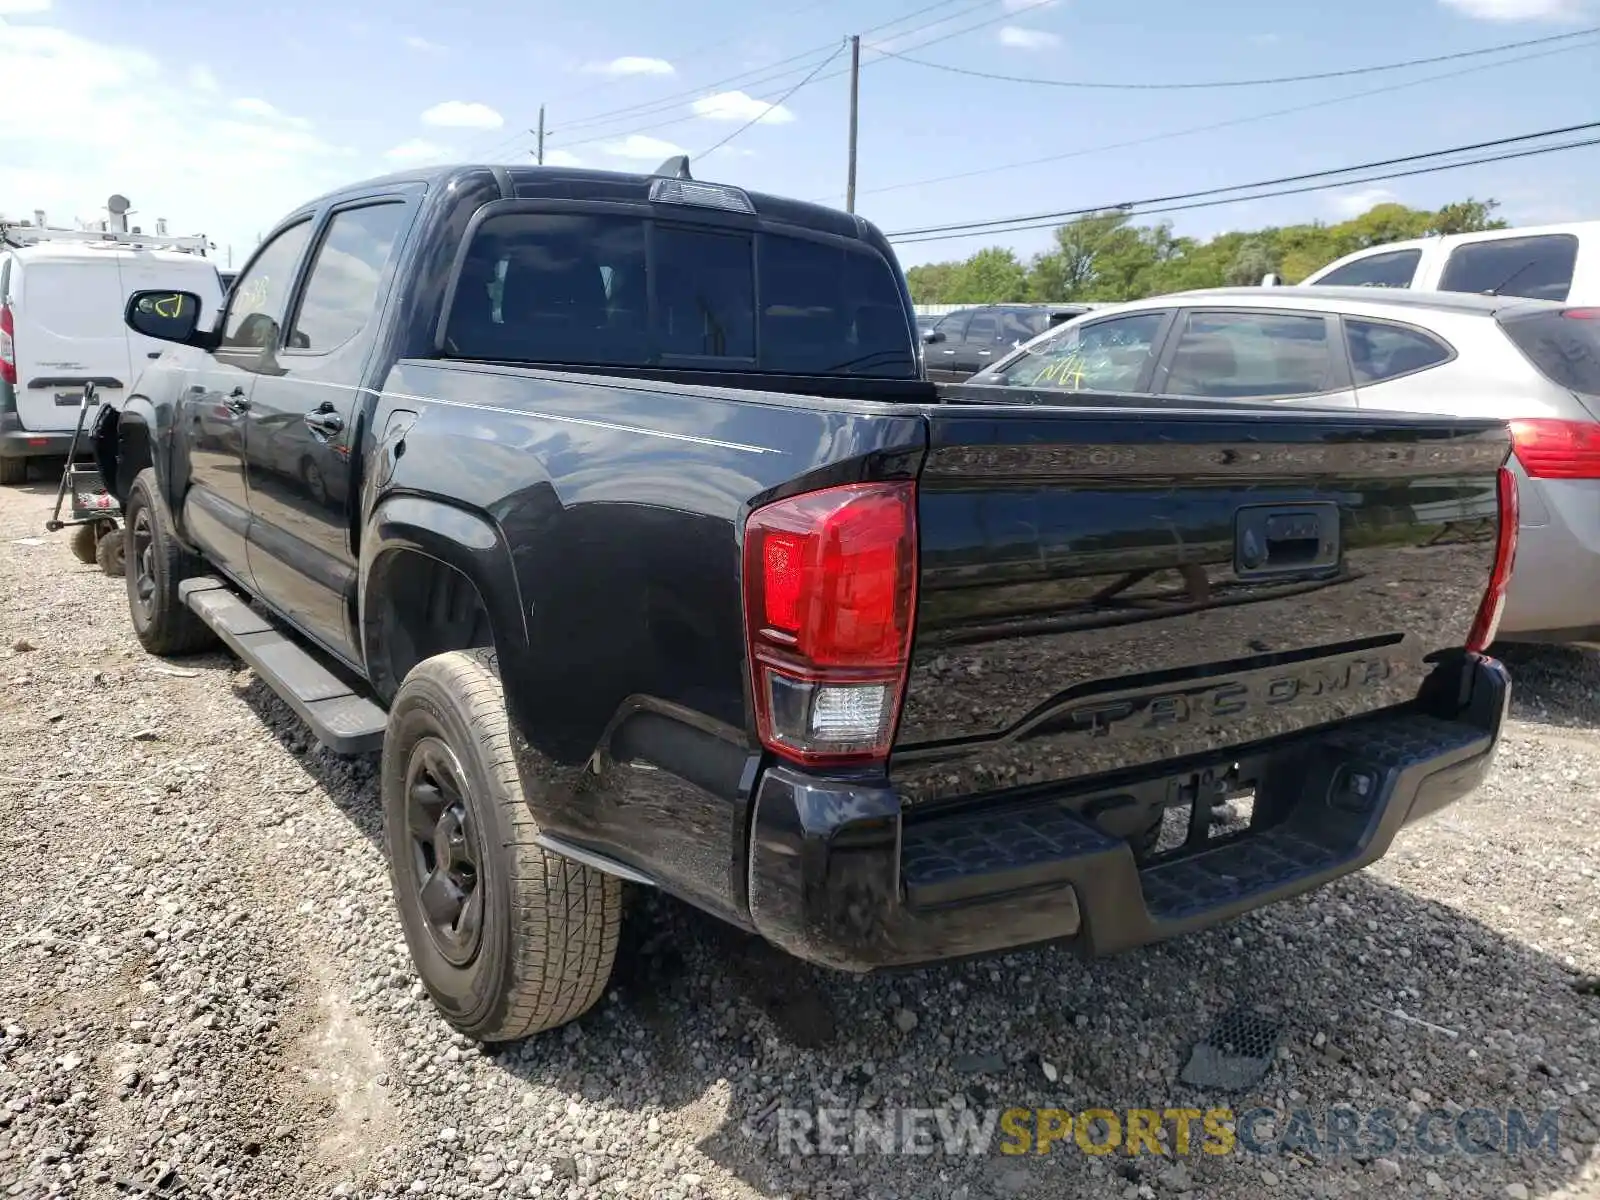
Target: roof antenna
x=676 y=167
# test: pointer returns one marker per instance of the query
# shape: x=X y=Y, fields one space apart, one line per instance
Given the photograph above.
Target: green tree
x=1466 y=216
x=1254 y=259
x=991 y=276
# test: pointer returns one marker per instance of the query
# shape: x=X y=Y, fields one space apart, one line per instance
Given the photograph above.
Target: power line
x=1245 y=83
x=1211 y=127
x=680 y=120
x=777 y=103
x=763 y=74
x=1239 y=187
x=1127 y=206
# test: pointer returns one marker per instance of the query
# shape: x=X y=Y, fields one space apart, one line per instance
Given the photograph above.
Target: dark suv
x=969 y=339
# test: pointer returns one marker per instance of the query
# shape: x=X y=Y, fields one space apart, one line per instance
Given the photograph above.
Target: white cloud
x=736 y=106
x=1019 y=38
x=1352 y=204
x=561 y=158
x=148 y=128
x=251 y=106
x=23 y=8
x=423 y=44
x=462 y=114
x=416 y=150
x=639 y=145
x=202 y=79
x=1521 y=10
x=628 y=64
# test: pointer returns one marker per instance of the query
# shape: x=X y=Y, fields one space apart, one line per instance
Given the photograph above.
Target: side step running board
x=342 y=720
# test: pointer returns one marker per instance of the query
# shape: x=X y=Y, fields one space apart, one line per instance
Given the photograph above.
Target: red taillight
x=8 y=347
x=1549 y=448
x=830 y=582
x=1487 y=623
x=1581 y=314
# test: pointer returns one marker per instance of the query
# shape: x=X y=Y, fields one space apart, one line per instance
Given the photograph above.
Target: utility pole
x=539 y=154
x=855 y=97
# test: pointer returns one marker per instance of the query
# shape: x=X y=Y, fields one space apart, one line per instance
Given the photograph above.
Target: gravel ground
x=204 y=992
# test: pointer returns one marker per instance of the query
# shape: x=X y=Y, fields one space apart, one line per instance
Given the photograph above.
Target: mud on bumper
x=841 y=876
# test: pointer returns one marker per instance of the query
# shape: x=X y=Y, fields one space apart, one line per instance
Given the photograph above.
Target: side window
x=1021 y=327
x=954 y=325
x=1243 y=355
x=1100 y=356
x=1537 y=267
x=1393 y=269
x=705 y=293
x=985 y=327
x=1380 y=351
x=342 y=289
x=261 y=295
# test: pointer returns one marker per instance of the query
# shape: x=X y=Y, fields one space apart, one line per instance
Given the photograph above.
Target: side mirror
x=932 y=336
x=1270 y=281
x=166 y=316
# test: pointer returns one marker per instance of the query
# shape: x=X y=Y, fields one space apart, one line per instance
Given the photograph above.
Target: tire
x=108 y=554
x=154 y=563
x=13 y=471
x=520 y=940
x=83 y=544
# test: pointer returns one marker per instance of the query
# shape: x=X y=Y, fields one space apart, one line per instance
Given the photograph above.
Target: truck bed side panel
x=621 y=506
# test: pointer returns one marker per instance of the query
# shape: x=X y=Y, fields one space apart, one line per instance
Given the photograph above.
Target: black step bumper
x=840 y=875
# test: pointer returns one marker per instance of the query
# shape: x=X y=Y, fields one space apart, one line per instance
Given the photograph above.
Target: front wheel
x=509 y=939
x=154 y=564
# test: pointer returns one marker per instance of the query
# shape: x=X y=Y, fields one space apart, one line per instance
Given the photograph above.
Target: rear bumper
x=17 y=442
x=1555 y=588
x=841 y=876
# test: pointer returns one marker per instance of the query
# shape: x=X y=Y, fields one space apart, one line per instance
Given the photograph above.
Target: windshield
x=630 y=291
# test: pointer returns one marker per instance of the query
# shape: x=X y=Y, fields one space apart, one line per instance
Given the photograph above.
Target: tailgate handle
x=1275 y=541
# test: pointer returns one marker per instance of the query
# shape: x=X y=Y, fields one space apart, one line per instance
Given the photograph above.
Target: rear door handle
x=325 y=423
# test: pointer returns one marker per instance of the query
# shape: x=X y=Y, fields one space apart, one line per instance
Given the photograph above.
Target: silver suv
x=1534 y=363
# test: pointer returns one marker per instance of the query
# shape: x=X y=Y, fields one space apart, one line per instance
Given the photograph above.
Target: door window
x=1380 y=351
x=260 y=296
x=1537 y=267
x=1244 y=355
x=1392 y=269
x=954 y=326
x=1100 y=356
x=342 y=290
x=1022 y=327
x=985 y=327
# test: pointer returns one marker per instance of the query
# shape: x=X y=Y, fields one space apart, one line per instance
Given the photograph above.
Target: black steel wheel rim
x=144 y=557
x=444 y=852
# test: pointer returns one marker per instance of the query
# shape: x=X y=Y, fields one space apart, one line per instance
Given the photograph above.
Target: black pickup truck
x=615 y=510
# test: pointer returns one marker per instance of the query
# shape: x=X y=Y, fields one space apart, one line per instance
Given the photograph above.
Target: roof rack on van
x=18 y=234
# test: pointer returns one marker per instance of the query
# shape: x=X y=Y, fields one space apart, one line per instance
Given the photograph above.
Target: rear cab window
x=1539 y=268
x=1391 y=269
x=1563 y=344
x=641 y=291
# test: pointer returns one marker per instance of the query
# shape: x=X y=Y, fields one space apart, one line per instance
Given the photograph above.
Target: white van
x=1541 y=262
x=61 y=326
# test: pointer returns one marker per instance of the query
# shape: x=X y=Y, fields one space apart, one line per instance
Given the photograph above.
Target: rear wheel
x=108 y=552
x=13 y=470
x=508 y=938
x=83 y=544
x=154 y=563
